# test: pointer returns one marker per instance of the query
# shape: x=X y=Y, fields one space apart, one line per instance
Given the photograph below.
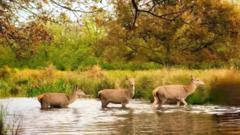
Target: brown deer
x=117 y=96
x=178 y=92
x=59 y=100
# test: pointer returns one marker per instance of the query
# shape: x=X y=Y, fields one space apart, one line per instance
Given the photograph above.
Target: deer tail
x=40 y=97
x=156 y=97
x=99 y=94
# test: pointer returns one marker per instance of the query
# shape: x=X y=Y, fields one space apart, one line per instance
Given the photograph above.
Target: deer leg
x=104 y=104
x=184 y=102
x=62 y=106
x=124 y=105
x=163 y=100
x=44 y=105
x=57 y=106
x=124 y=102
x=155 y=102
x=178 y=103
x=159 y=100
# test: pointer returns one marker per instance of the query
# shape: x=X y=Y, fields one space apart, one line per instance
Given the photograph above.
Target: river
x=85 y=117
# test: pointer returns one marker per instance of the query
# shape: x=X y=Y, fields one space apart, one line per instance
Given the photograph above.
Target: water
x=86 y=117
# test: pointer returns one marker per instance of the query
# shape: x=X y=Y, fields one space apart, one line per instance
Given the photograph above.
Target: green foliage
x=7 y=56
x=5 y=72
x=3 y=130
x=130 y=66
x=144 y=88
x=199 y=97
x=61 y=85
x=69 y=49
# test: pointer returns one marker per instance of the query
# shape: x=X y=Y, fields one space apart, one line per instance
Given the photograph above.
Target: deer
x=117 y=96
x=178 y=92
x=59 y=100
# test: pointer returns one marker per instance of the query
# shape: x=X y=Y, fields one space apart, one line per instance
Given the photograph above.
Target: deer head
x=80 y=93
x=131 y=81
x=196 y=81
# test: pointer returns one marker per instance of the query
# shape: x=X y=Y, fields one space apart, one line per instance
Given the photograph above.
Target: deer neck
x=72 y=98
x=132 y=91
x=190 y=88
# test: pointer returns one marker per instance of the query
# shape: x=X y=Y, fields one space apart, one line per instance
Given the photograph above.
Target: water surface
x=86 y=117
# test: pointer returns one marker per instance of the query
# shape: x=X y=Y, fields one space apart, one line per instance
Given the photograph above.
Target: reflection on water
x=86 y=117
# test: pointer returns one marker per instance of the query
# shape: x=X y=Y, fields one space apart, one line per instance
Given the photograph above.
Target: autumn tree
x=172 y=31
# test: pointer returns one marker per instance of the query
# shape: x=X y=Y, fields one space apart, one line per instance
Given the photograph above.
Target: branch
x=70 y=9
x=159 y=16
x=206 y=45
x=135 y=12
x=162 y=16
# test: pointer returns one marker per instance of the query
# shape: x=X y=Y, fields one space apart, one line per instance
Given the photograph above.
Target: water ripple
x=86 y=117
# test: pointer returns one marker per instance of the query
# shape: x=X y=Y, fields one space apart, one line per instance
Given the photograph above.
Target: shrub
x=226 y=89
x=144 y=87
x=5 y=72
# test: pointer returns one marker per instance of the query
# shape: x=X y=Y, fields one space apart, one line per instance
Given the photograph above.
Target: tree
x=186 y=32
x=22 y=22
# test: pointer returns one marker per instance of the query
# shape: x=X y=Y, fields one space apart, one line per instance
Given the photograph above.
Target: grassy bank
x=3 y=128
x=222 y=85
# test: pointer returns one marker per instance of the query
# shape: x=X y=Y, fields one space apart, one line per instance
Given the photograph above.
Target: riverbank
x=222 y=85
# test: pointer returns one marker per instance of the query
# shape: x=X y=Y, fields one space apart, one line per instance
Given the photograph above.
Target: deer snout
x=85 y=96
x=202 y=83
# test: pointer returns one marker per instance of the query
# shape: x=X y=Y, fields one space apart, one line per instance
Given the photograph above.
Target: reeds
x=29 y=82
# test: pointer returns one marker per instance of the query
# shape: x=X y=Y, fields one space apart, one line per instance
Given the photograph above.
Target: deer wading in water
x=117 y=96
x=59 y=100
x=178 y=92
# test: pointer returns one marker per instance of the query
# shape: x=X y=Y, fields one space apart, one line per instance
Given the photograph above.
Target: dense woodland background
x=120 y=34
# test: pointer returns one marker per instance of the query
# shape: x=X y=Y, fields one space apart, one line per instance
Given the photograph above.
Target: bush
x=61 y=85
x=226 y=89
x=144 y=87
x=5 y=72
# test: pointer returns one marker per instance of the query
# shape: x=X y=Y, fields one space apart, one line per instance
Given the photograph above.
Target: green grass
x=3 y=128
x=222 y=85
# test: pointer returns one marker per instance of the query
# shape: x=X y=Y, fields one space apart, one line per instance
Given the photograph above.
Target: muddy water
x=86 y=117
